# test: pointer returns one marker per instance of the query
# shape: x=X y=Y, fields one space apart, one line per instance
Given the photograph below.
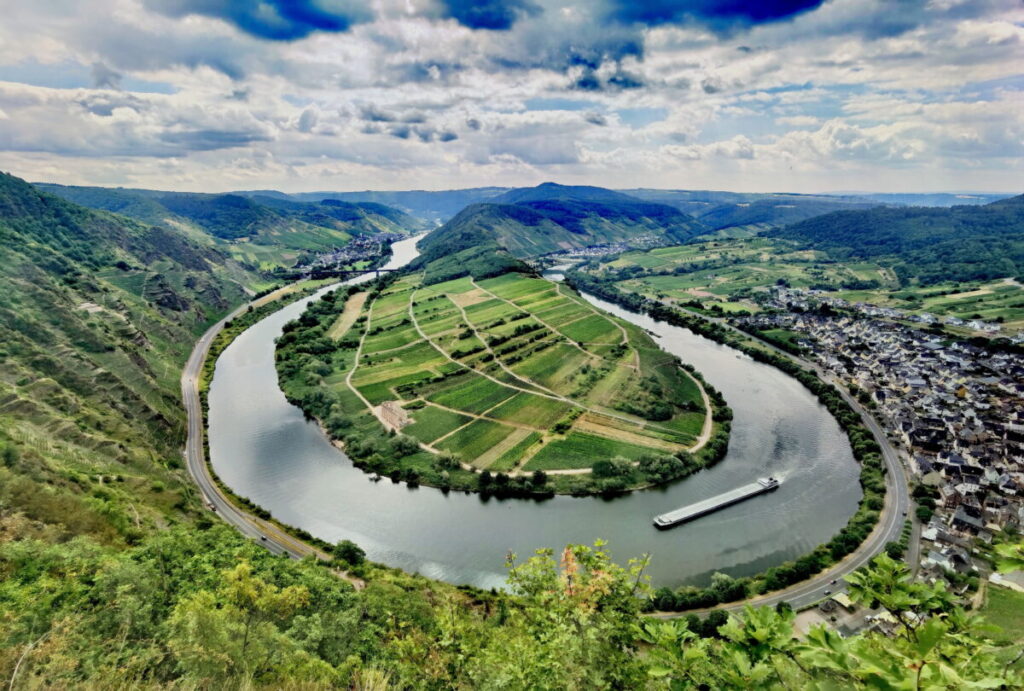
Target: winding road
x=268 y=534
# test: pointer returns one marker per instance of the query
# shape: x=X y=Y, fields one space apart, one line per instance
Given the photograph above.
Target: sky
x=305 y=95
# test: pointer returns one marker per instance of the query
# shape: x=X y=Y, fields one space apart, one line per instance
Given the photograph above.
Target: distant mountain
x=756 y=211
x=551 y=191
x=98 y=314
x=550 y=218
x=432 y=207
x=261 y=230
x=929 y=244
x=925 y=199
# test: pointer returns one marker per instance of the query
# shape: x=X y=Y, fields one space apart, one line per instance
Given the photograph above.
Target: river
x=265 y=449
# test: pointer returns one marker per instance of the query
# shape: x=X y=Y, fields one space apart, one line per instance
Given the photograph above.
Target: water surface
x=263 y=448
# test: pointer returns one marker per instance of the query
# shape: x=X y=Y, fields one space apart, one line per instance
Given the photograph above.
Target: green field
x=501 y=372
x=581 y=450
x=1005 y=608
x=726 y=275
x=433 y=423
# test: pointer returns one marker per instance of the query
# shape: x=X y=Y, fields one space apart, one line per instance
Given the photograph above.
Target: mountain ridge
x=551 y=218
x=930 y=244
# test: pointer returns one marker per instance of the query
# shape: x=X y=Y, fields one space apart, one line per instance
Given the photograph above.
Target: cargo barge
x=712 y=504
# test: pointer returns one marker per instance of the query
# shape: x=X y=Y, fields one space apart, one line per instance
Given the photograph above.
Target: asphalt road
x=264 y=532
x=896 y=510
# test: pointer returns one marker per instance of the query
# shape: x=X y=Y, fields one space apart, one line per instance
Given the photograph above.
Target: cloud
x=105 y=78
x=495 y=15
x=719 y=14
x=799 y=121
x=276 y=20
x=851 y=93
x=308 y=120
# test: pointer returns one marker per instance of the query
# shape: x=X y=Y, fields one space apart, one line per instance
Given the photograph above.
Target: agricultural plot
x=472 y=442
x=474 y=395
x=581 y=450
x=513 y=456
x=593 y=329
x=530 y=409
x=502 y=388
x=553 y=368
x=430 y=423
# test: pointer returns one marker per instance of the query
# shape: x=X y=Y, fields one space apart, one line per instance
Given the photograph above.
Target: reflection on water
x=264 y=449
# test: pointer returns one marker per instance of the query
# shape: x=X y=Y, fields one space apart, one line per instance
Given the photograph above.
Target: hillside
x=433 y=207
x=264 y=231
x=550 y=218
x=98 y=313
x=929 y=244
x=751 y=211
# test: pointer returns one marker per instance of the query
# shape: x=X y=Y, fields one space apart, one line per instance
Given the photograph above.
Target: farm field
x=1005 y=608
x=726 y=276
x=509 y=374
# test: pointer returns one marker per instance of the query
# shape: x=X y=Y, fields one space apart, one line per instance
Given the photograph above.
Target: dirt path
x=497 y=359
x=571 y=342
x=353 y=306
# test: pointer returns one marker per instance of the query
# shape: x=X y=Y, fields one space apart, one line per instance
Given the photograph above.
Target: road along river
x=263 y=447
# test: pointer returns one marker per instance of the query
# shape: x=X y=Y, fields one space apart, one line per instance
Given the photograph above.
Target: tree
x=234 y=633
x=571 y=624
x=349 y=552
x=1010 y=556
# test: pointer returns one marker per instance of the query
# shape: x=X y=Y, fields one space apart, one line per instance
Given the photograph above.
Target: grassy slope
x=260 y=231
x=99 y=313
x=1005 y=608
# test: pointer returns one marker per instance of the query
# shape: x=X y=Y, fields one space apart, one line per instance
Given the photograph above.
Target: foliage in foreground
x=207 y=609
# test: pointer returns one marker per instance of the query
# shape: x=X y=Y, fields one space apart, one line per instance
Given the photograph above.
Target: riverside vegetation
x=510 y=385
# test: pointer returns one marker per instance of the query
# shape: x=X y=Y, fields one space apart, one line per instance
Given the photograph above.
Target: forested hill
x=434 y=207
x=548 y=218
x=98 y=314
x=262 y=231
x=929 y=244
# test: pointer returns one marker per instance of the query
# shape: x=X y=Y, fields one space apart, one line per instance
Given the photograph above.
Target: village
x=954 y=409
x=362 y=248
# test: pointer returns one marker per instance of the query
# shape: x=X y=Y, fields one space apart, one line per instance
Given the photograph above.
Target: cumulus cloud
x=278 y=20
x=336 y=93
x=489 y=14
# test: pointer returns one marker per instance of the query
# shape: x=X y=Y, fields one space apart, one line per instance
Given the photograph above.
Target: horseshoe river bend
x=264 y=448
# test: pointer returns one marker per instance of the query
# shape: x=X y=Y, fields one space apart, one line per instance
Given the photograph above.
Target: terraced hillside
x=509 y=375
x=98 y=314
